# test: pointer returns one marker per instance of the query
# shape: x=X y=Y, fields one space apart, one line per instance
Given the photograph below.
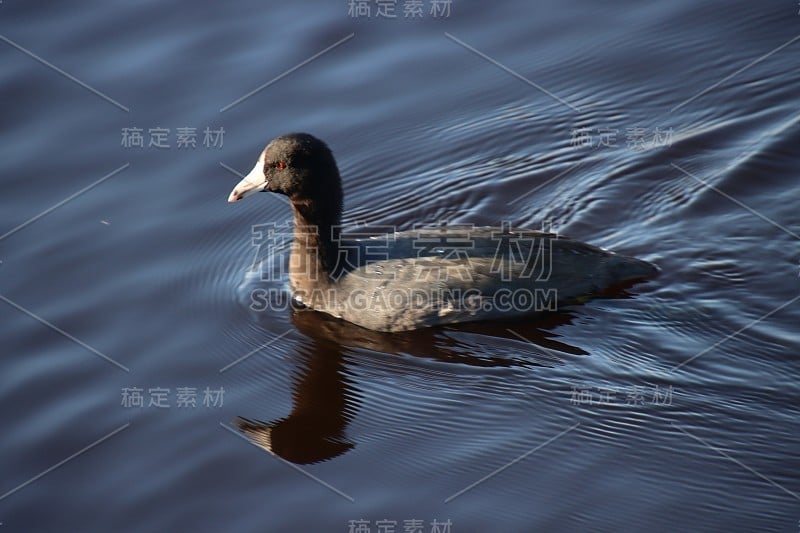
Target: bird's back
x=454 y=274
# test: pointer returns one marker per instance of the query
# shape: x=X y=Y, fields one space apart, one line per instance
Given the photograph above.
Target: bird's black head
x=298 y=165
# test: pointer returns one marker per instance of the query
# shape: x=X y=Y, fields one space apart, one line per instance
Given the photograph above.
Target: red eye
x=281 y=165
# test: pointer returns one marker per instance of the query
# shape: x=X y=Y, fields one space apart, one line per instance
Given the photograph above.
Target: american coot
x=423 y=277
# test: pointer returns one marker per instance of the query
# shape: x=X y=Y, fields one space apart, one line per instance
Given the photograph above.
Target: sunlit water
x=668 y=132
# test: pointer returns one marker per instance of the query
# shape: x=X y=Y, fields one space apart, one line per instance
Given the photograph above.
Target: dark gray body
x=439 y=276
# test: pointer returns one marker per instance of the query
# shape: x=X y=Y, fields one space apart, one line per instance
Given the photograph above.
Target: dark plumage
x=420 y=278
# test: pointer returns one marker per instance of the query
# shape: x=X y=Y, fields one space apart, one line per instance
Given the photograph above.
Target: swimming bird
x=424 y=277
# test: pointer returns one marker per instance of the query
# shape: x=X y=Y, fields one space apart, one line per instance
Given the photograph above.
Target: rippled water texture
x=666 y=131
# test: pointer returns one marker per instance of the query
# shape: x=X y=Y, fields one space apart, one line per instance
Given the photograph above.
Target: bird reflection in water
x=325 y=399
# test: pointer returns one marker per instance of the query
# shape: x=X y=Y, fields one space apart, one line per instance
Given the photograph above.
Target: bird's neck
x=316 y=244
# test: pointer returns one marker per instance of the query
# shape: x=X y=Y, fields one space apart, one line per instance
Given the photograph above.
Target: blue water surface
x=667 y=131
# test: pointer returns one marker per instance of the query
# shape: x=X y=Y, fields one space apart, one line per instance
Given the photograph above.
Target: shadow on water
x=325 y=400
x=322 y=407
